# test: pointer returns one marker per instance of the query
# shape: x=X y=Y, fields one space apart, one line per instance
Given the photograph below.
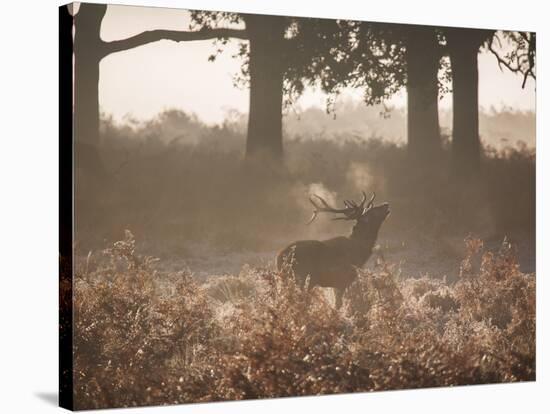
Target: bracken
x=145 y=337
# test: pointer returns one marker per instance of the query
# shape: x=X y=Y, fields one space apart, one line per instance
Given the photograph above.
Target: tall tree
x=382 y=59
x=423 y=56
x=266 y=68
x=463 y=46
x=515 y=51
x=269 y=59
x=90 y=49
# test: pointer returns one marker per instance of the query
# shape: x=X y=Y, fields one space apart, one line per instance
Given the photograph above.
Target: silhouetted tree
x=382 y=59
x=267 y=65
x=463 y=46
x=515 y=51
x=423 y=56
x=266 y=62
x=89 y=50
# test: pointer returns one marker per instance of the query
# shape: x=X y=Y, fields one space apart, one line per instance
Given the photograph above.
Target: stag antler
x=352 y=211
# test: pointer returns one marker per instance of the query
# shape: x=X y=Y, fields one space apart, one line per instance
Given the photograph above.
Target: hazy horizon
x=133 y=83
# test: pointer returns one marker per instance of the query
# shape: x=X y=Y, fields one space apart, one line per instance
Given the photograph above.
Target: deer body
x=333 y=262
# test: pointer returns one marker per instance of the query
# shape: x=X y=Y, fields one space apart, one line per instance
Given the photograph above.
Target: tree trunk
x=422 y=54
x=264 y=141
x=89 y=50
x=463 y=47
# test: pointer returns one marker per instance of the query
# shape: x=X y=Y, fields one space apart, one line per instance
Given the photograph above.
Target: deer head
x=361 y=212
x=368 y=217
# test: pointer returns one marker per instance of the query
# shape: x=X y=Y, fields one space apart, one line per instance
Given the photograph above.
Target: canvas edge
x=66 y=185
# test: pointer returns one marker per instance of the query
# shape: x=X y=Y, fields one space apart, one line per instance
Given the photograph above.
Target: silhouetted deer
x=333 y=262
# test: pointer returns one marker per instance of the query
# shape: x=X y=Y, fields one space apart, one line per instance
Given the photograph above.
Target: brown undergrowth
x=143 y=336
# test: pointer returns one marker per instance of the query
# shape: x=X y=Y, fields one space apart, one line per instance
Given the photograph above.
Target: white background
x=29 y=191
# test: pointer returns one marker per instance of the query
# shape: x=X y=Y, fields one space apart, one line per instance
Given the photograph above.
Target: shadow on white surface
x=48 y=397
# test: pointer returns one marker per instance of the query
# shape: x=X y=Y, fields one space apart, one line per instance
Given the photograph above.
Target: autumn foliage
x=143 y=336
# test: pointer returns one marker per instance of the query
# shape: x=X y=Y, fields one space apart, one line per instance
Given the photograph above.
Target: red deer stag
x=333 y=262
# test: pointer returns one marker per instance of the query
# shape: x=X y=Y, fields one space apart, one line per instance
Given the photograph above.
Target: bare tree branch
x=500 y=60
x=174 y=35
x=520 y=61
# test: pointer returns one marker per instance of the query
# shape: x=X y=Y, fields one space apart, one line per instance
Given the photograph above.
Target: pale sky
x=144 y=81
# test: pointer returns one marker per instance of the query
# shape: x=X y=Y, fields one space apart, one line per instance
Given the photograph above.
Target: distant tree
x=274 y=59
x=463 y=47
x=423 y=61
x=266 y=68
x=89 y=50
x=383 y=59
x=515 y=51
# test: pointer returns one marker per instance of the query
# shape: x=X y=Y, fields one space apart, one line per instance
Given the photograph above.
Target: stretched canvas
x=261 y=206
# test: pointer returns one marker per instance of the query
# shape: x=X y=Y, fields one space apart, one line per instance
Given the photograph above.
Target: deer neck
x=363 y=240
